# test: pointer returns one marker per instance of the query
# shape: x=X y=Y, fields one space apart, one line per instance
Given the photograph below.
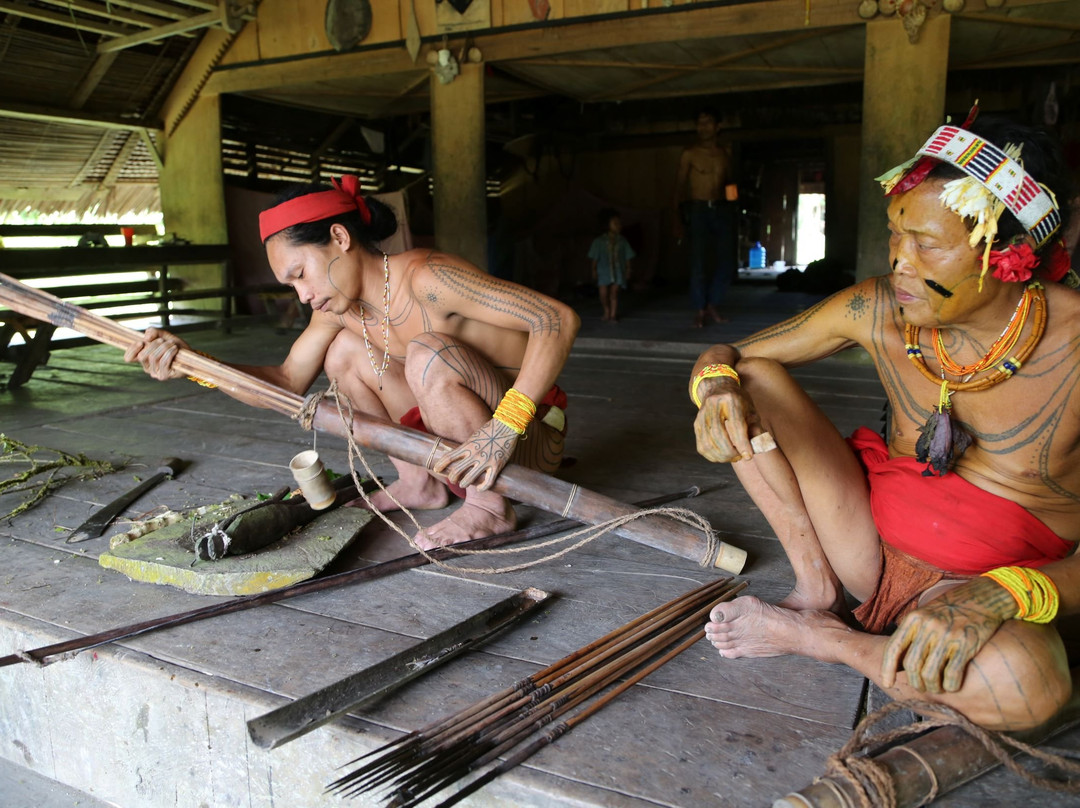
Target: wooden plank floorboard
x=701 y=730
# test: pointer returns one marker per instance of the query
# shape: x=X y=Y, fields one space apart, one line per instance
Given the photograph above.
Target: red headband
x=345 y=198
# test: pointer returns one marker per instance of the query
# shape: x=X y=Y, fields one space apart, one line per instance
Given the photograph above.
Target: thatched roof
x=71 y=114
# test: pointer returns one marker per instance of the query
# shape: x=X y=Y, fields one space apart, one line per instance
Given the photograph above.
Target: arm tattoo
x=857 y=306
x=525 y=305
x=781 y=329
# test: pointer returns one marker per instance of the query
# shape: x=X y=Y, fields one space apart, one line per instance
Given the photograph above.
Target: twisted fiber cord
x=585 y=534
x=874 y=785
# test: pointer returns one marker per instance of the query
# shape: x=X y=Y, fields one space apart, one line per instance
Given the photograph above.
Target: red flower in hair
x=1058 y=262
x=1014 y=263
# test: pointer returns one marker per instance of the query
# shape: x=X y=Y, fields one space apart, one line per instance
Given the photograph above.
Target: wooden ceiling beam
x=29 y=112
x=1064 y=60
x=744 y=88
x=1026 y=22
x=756 y=50
x=8 y=26
x=103 y=145
x=36 y=193
x=344 y=125
x=682 y=24
x=165 y=10
x=812 y=70
x=105 y=11
x=161 y=32
x=597 y=63
x=54 y=18
x=147 y=136
x=117 y=167
x=92 y=79
x=1009 y=57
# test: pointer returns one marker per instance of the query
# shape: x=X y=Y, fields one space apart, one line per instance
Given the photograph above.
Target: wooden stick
x=412 y=446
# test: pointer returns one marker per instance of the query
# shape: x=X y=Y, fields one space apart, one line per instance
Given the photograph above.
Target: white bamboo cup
x=314 y=482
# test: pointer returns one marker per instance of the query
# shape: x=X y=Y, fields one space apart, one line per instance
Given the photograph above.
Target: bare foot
x=426 y=494
x=799 y=601
x=749 y=627
x=715 y=315
x=479 y=516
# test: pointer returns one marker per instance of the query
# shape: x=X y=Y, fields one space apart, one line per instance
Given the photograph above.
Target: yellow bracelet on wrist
x=711 y=372
x=1036 y=596
x=516 y=410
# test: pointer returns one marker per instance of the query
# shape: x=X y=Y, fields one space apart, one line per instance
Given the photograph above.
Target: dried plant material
x=42 y=471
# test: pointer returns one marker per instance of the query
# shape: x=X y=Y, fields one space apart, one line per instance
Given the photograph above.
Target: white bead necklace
x=380 y=369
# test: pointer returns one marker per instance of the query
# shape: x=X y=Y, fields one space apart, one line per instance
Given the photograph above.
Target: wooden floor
x=700 y=731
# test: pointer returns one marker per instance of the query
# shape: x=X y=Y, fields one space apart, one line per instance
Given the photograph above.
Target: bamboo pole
x=412 y=446
x=931 y=765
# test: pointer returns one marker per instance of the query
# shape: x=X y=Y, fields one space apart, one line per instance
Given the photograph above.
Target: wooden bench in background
x=151 y=292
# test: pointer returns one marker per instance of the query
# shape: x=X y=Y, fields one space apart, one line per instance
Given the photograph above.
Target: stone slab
x=160 y=557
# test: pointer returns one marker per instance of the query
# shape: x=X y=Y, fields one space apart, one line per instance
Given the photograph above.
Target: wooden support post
x=903 y=103
x=457 y=143
x=193 y=190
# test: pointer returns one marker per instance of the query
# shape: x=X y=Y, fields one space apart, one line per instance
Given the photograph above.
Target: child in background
x=611 y=255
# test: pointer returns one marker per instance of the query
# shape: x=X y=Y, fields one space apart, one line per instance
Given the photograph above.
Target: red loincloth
x=946 y=521
x=555 y=397
x=934 y=528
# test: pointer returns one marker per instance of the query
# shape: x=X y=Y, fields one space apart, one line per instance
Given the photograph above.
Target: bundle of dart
x=426 y=761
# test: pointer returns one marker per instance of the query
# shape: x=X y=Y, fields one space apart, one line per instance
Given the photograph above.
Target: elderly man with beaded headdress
x=956 y=531
x=421 y=337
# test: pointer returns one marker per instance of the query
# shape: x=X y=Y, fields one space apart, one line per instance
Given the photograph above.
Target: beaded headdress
x=995 y=181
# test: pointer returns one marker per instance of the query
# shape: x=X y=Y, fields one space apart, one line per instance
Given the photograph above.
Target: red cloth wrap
x=947 y=521
x=555 y=397
x=345 y=198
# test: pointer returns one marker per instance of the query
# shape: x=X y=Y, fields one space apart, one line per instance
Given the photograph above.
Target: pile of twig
x=41 y=470
x=422 y=763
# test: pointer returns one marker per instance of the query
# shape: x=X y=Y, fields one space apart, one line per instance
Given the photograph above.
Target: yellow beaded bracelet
x=711 y=372
x=196 y=379
x=515 y=410
x=1036 y=596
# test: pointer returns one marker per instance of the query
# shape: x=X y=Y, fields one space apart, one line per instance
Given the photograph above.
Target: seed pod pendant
x=941 y=440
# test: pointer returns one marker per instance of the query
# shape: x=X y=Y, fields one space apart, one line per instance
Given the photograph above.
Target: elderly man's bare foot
x=426 y=494
x=476 y=518
x=749 y=627
x=831 y=599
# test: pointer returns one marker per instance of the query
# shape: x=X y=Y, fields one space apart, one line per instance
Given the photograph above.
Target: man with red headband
x=958 y=528
x=421 y=337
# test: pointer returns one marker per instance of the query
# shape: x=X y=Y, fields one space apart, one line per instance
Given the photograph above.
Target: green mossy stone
x=161 y=558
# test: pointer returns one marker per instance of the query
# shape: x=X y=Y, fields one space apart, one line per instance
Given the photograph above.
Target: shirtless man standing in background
x=705 y=172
